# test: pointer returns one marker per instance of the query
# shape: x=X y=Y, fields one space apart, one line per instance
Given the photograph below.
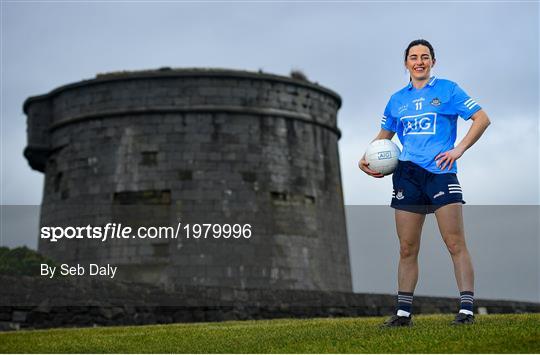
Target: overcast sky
x=490 y=49
x=356 y=49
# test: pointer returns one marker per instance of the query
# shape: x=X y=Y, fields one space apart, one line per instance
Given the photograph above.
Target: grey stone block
x=200 y=151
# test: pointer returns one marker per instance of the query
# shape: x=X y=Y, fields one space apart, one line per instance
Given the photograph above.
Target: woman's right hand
x=364 y=166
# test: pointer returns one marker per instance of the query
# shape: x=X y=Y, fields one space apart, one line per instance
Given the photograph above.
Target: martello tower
x=197 y=146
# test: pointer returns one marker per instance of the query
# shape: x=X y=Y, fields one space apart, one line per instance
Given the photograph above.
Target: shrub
x=21 y=261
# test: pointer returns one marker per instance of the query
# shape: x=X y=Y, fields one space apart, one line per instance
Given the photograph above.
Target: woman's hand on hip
x=447 y=159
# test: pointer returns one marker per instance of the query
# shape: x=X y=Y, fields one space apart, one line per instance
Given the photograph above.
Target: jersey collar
x=431 y=82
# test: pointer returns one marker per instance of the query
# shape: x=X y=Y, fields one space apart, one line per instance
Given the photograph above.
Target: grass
x=430 y=334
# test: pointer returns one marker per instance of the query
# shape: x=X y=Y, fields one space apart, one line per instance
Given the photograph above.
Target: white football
x=382 y=156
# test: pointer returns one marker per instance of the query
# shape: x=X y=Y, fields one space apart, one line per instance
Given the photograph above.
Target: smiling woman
x=424 y=116
x=419 y=59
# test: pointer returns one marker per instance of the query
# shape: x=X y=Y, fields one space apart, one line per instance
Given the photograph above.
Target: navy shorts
x=420 y=191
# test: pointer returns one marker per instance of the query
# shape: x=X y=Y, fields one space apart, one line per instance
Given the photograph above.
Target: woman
x=424 y=115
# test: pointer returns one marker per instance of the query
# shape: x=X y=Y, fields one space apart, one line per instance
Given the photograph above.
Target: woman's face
x=419 y=62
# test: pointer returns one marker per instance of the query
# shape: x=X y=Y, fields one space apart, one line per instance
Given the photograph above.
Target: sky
x=491 y=49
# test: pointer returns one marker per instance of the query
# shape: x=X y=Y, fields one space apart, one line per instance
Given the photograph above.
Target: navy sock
x=467 y=300
x=405 y=303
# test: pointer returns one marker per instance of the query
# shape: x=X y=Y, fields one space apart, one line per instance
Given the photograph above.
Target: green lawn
x=430 y=334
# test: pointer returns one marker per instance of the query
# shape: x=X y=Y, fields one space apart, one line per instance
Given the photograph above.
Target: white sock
x=466 y=311
x=402 y=313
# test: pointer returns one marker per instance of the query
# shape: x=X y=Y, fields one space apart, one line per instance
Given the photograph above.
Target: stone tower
x=196 y=146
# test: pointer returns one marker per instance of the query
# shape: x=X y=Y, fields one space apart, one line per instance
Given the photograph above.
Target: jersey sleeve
x=463 y=104
x=389 y=122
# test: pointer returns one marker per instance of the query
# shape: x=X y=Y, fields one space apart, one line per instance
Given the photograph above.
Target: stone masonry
x=196 y=146
x=35 y=302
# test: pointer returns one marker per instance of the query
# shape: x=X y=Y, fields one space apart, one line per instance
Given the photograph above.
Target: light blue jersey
x=425 y=120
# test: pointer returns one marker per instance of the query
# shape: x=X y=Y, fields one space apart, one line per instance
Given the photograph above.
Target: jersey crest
x=436 y=102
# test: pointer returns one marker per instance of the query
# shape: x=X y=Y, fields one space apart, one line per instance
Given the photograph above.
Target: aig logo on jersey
x=425 y=123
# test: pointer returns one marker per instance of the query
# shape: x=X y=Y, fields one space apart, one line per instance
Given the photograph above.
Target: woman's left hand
x=447 y=159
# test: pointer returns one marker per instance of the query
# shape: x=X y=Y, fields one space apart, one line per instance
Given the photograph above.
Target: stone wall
x=196 y=146
x=32 y=302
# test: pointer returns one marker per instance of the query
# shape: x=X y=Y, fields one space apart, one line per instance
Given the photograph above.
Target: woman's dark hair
x=422 y=42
